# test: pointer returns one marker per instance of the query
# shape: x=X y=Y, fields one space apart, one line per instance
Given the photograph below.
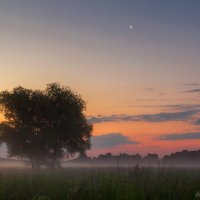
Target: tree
x=42 y=126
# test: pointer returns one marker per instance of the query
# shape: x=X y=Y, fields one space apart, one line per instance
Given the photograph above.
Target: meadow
x=135 y=183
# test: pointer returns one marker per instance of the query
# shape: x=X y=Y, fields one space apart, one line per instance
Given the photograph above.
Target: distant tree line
x=184 y=157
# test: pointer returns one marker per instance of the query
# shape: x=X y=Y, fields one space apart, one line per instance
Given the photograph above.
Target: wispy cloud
x=177 y=107
x=191 y=84
x=192 y=91
x=149 y=89
x=180 y=136
x=197 y=122
x=158 y=117
x=161 y=93
x=110 y=140
x=143 y=100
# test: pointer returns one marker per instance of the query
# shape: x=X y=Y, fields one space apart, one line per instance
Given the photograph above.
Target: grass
x=101 y=183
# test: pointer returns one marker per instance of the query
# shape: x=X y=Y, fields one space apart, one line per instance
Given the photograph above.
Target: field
x=101 y=183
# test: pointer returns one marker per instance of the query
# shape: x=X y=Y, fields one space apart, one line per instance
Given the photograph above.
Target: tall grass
x=101 y=183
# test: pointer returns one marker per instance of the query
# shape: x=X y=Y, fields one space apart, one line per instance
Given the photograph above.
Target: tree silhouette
x=44 y=125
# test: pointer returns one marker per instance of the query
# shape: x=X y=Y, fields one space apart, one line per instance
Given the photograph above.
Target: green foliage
x=44 y=125
x=101 y=184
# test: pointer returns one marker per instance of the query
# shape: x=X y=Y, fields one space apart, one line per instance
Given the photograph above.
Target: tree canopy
x=42 y=126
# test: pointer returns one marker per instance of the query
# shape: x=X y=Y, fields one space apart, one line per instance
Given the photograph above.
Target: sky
x=141 y=85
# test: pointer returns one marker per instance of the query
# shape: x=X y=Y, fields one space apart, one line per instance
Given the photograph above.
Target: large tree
x=42 y=126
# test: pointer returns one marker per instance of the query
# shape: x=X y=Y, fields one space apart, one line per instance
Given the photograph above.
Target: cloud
x=149 y=89
x=159 y=117
x=162 y=117
x=179 y=107
x=161 y=93
x=110 y=140
x=191 y=84
x=180 y=136
x=192 y=91
x=197 y=122
x=145 y=100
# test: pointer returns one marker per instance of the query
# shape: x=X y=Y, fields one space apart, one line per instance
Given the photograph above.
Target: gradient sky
x=142 y=86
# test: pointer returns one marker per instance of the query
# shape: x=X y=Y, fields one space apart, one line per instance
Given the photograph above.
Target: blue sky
x=89 y=46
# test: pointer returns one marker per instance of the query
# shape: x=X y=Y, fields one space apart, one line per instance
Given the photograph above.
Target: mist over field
x=99 y=100
x=184 y=159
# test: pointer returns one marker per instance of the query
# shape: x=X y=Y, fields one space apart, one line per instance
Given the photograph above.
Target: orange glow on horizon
x=147 y=135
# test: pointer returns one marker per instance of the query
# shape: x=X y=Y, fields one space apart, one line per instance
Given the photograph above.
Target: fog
x=18 y=164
